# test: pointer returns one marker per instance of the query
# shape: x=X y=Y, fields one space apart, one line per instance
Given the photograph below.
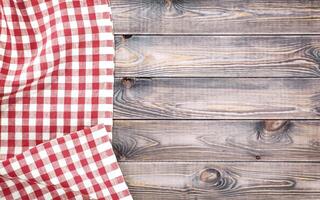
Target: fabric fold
x=56 y=87
x=77 y=165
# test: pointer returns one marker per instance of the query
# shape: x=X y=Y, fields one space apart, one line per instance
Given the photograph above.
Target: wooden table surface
x=218 y=99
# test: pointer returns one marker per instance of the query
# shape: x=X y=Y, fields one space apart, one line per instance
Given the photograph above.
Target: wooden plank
x=209 y=180
x=226 y=140
x=217 y=98
x=216 y=17
x=216 y=56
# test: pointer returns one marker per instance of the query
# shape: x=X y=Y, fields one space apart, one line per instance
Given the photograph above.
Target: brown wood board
x=217 y=140
x=218 y=56
x=217 y=98
x=216 y=17
x=227 y=180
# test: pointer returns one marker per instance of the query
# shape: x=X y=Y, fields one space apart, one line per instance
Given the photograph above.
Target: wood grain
x=208 y=140
x=216 y=16
x=217 y=98
x=216 y=56
x=209 y=180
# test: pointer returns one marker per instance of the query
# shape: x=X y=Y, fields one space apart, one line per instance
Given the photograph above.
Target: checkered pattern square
x=79 y=165
x=56 y=73
x=56 y=78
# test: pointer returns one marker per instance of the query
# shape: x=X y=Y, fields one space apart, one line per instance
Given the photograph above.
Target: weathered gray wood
x=217 y=98
x=209 y=180
x=210 y=140
x=216 y=16
x=218 y=56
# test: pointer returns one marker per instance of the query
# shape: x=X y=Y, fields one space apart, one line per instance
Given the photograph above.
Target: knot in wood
x=128 y=82
x=168 y=3
x=126 y=36
x=273 y=126
x=274 y=132
x=210 y=176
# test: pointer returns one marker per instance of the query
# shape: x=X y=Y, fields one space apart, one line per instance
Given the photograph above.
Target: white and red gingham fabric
x=80 y=165
x=56 y=86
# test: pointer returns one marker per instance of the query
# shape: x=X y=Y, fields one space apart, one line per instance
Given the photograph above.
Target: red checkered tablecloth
x=56 y=86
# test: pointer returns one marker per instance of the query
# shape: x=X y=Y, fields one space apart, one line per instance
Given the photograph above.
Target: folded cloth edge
x=81 y=164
